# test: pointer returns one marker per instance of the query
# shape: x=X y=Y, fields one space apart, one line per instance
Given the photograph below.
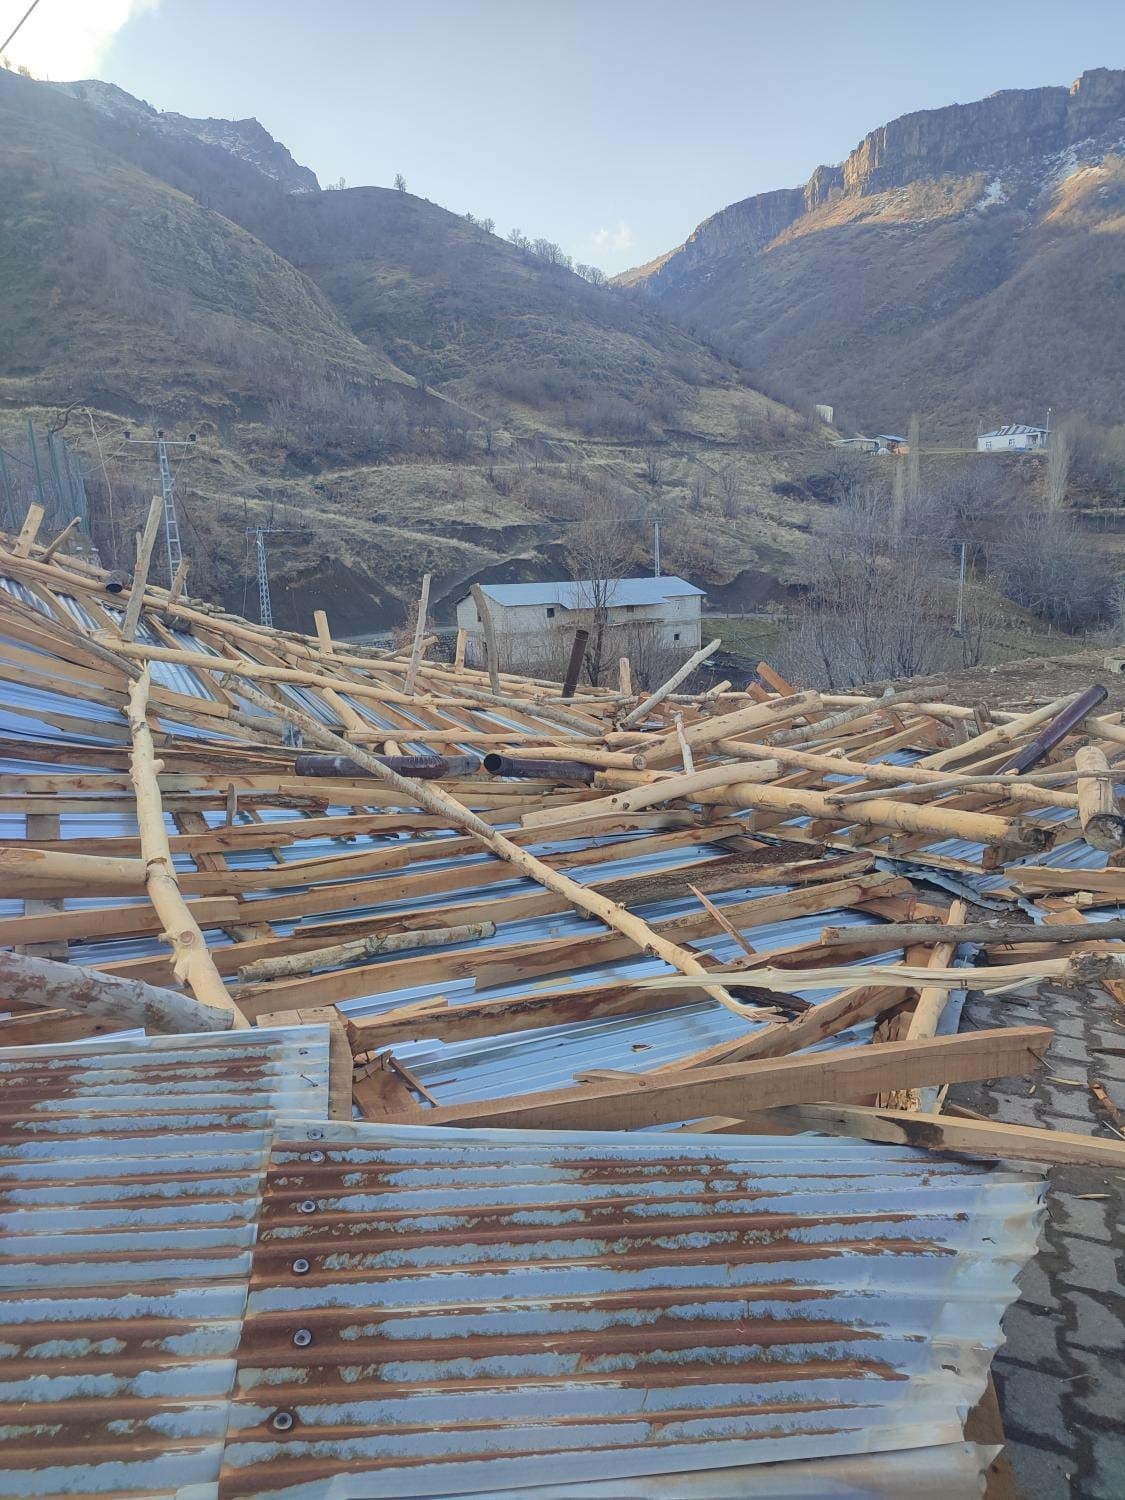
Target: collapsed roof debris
x=733 y=915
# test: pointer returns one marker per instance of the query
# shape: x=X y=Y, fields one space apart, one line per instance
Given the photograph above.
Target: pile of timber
x=444 y=804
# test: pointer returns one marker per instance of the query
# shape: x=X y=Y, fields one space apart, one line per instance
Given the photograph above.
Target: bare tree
x=730 y=491
x=879 y=604
x=1046 y=565
x=601 y=551
x=400 y=183
x=654 y=466
x=913 y=461
x=698 y=488
x=1060 y=454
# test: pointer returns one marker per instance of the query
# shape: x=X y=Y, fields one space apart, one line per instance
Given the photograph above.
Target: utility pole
x=168 y=493
x=656 y=549
x=259 y=533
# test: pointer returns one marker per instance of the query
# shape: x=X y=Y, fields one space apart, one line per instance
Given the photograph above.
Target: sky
x=610 y=126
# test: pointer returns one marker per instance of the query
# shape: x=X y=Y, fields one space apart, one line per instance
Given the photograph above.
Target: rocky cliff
x=1005 y=214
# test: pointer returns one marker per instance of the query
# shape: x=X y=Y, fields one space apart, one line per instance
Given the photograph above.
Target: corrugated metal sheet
x=130 y=1180
x=577 y=595
x=442 y=1312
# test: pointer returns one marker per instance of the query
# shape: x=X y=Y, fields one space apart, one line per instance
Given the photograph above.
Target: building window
x=629 y=608
x=676 y=636
x=550 y=612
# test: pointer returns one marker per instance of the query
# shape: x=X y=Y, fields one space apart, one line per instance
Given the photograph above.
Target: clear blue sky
x=612 y=126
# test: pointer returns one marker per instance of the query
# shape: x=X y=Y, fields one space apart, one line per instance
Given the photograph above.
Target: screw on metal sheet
x=300 y=1266
x=316 y=1156
x=282 y=1421
x=316 y=1135
x=302 y=1338
x=308 y=1206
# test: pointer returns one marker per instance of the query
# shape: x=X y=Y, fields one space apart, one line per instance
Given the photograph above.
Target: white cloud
x=618 y=239
x=66 y=39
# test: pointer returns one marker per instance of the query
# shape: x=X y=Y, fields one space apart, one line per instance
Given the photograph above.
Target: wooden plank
x=419 y=635
x=742 y=1088
x=140 y=574
x=991 y=1138
x=30 y=529
x=489 y=637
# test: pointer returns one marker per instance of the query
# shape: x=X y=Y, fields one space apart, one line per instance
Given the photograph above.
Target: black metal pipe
x=116 y=581
x=540 y=770
x=574 y=666
x=1058 y=728
x=421 y=767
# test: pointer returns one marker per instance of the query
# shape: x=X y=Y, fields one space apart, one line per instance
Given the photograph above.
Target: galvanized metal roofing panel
x=130 y=1179
x=442 y=1312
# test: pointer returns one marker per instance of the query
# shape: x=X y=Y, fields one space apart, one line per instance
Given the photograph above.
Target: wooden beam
x=192 y=961
x=489 y=637
x=419 y=635
x=29 y=530
x=989 y=1138
x=64 y=535
x=140 y=575
x=844 y=1076
x=642 y=710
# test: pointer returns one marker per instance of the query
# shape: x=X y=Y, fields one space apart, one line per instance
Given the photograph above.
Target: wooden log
x=193 y=964
x=756 y=719
x=990 y=1138
x=126 y=1002
x=1001 y=734
x=419 y=634
x=624 y=677
x=436 y=800
x=990 y=934
x=82 y=872
x=724 y=786
x=822 y=728
x=64 y=535
x=642 y=710
x=489 y=638
x=178 y=590
x=665 y=789
x=843 y=1076
x=459 y=650
x=336 y=954
x=1103 y=827
x=140 y=574
x=29 y=530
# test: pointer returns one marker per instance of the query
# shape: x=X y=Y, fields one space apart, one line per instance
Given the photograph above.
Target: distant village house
x=666 y=611
x=1015 y=435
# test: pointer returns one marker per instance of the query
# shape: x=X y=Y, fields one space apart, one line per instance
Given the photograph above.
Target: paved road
x=1061 y=1374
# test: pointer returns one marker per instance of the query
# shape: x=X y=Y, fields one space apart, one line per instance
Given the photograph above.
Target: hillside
x=959 y=263
x=396 y=387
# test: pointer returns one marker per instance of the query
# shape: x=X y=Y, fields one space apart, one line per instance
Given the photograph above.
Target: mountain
x=959 y=263
x=392 y=385
x=246 y=140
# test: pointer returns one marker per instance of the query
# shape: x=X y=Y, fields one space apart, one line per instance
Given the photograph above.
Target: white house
x=1015 y=435
x=667 y=607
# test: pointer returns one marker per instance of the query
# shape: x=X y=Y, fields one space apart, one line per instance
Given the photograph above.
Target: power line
x=12 y=34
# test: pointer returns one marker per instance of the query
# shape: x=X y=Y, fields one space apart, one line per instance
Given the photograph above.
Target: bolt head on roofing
x=300 y=1267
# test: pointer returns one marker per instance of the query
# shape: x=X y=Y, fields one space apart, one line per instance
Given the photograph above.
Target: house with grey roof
x=666 y=611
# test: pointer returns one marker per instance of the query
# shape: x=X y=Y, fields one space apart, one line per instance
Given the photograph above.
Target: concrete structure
x=1015 y=435
x=824 y=412
x=667 y=608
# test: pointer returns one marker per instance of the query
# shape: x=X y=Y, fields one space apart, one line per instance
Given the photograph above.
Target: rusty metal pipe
x=117 y=581
x=574 y=666
x=423 y=767
x=540 y=770
x=1058 y=728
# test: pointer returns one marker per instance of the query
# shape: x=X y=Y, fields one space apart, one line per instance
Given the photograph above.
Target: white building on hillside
x=666 y=609
x=1015 y=435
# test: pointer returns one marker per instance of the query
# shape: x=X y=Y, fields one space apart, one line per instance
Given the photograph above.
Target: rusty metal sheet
x=444 y=1312
x=130 y=1181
